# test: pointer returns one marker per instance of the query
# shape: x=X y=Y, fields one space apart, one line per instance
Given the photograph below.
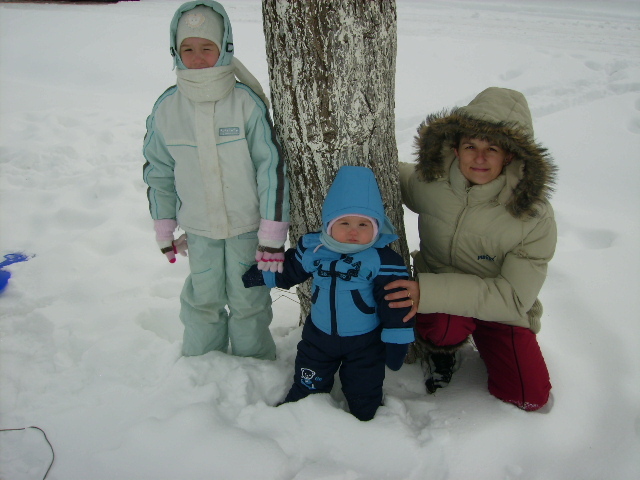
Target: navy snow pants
x=359 y=358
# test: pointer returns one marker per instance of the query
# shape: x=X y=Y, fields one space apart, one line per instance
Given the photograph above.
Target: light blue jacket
x=217 y=181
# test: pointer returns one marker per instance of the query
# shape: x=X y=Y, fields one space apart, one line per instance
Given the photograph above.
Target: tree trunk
x=332 y=80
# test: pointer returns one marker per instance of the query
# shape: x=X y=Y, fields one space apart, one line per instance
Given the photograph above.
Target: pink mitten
x=271 y=238
x=164 y=236
x=270 y=260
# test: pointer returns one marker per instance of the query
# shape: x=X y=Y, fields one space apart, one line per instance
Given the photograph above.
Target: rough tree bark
x=332 y=80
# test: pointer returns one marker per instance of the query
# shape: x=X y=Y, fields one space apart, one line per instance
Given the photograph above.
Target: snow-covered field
x=90 y=336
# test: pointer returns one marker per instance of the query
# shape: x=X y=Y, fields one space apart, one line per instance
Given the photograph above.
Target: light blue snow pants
x=215 y=282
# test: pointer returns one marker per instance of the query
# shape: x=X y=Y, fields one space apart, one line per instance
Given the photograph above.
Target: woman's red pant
x=517 y=371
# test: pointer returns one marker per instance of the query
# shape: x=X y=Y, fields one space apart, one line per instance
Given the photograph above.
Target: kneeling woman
x=487 y=234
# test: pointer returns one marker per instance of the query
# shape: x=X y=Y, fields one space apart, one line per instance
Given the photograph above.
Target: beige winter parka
x=484 y=249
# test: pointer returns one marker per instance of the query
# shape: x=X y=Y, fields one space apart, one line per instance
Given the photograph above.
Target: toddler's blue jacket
x=348 y=289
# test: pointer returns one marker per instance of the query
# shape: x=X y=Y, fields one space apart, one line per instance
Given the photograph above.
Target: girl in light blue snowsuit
x=214 y=168
x=351 y=327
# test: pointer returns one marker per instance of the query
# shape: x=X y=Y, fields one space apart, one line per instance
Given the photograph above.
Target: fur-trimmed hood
x=503 y=116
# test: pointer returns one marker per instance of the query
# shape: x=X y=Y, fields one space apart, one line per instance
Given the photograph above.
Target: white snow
x=90 y=335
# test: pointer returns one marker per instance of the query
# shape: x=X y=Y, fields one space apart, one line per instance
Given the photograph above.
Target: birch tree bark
x=332 y=80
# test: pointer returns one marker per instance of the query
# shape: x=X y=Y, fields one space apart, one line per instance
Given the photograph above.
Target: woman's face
x=481 y=161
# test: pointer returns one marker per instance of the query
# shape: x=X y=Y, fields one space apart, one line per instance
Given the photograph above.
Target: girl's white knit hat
x=201 y=22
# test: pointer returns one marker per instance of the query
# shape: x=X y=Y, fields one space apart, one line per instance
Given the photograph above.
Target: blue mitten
x=253 y=277
x=395 y=355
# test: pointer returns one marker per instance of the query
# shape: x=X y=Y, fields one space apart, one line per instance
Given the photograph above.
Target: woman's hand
x=409 y=297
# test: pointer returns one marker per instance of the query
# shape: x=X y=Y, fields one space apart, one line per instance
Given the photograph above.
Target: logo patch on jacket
x=352 y=269
x=487 y=257
x=229 y=131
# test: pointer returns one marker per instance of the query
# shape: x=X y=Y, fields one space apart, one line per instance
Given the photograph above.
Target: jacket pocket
x=360 y=304
x=314 y=297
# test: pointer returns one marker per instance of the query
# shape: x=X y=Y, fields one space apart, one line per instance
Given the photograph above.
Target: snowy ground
x=90 y=336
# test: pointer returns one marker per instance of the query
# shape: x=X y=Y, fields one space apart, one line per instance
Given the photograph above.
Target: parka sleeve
x=158 y=174
x=407 y=187
x=394 y=330
x=505 y=298
x=271 y=174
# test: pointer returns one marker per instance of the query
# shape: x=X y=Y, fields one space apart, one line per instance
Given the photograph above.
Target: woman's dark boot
x=441 y=368
x=441 y=362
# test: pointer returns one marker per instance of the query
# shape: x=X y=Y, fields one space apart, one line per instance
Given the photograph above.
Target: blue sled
x=9 y=259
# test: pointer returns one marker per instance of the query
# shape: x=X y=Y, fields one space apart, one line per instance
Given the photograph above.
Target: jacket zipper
x=454 y=240
x=332 y=298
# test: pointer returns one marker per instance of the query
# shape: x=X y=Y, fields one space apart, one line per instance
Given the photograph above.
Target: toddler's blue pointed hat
x=355 y=191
